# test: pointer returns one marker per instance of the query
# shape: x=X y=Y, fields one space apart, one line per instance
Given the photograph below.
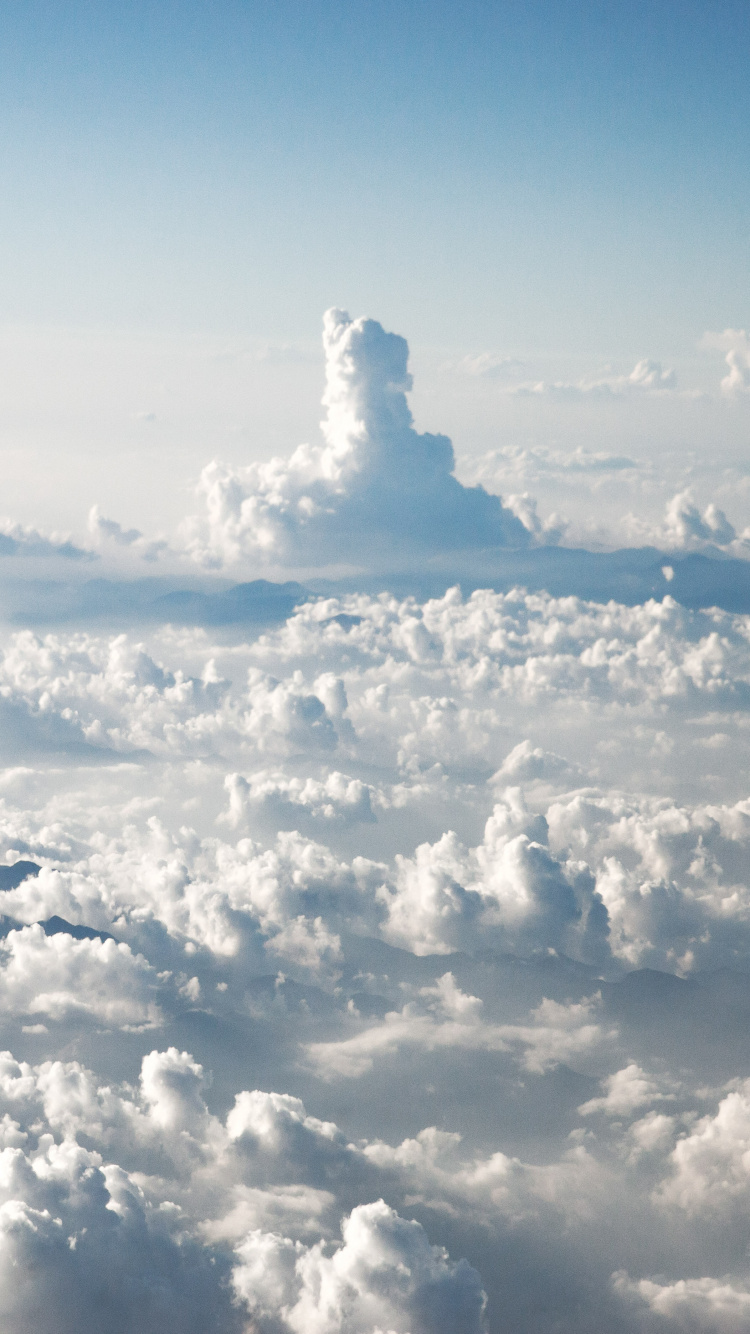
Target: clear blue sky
x=556 y=176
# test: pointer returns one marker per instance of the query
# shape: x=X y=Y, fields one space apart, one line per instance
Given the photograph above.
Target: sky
x=540 y=194
x=374 y=669
x=568 y=179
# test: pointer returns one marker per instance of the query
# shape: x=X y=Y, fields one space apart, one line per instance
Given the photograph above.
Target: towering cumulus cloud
x=375 y=490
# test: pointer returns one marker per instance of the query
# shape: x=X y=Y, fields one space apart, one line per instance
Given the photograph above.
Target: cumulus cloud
x=109 y=530
x=80 y=1240
x=155 y=1248
x=509 y=889
x=289 y=801
x=736 y=344
x=423 y=695
x=710 y=1165
x=710 y=1304
x=685 y=527
x=374 y=490
x=54 y=976
x=17 y=539
x=526 y=763
x=626 y=1091
x=385 y=1276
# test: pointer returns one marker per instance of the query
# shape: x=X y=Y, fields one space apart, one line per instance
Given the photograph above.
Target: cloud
x=81 y=1242
x=706 y=1304
x=444 y=1017
x=710 y=1164
x=736 y=344
x=288 y=801
x=386 y=921
x=685 y=528
x=526 y=763
x=487 y=365
x=512 y=464
x=542 y=937
x=74 y=1223
x=509 y=890
x=426 y=699
x=108 y=530
x=59 y=977
x=385 y=1276
x=646 y=377
x=18 y=539
x=376 y=490
x=626 y=1091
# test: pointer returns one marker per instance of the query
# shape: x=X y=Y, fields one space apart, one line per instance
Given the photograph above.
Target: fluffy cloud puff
x=695 y=1304
x=375 y=490
x=736 y=344
x=385 y=1276
x=57 y=976
x=394 y=680
x=508 y=890
x=685 y=527
x=81 y=1244
x=84 y=1238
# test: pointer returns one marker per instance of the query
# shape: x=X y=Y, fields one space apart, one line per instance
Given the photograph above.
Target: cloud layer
x=377 y=960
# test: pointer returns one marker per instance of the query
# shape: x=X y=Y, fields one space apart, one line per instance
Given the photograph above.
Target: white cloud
x=444 y=1017
x=685 y=528
x=508 y=890
x=80 y=1243
x=646 y=377
x=59 y=977
x=17 y=539
x=109 y=530
x=376 y=490
x=711 y=1166
x=736 y=344
x=626 y=1091
x=285 y=799
x=713 y=1305
x=385 y=1276
x=599 y=824
x=526 y=763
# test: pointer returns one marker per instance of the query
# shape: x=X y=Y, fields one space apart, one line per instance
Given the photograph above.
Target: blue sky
x=566 y=178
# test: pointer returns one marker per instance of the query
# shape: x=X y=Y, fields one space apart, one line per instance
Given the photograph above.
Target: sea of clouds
x=375 y=939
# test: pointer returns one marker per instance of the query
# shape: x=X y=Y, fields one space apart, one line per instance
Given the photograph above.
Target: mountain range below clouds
x=630 y=575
